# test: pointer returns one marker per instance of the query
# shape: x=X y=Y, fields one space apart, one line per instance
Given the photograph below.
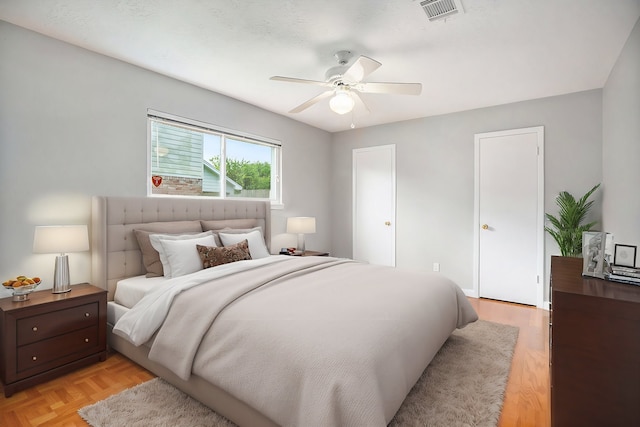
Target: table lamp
x=301 y=225
x=61 y=239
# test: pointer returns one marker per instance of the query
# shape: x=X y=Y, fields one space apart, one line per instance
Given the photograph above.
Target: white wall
x=590 y=137
x=73 y=124
x=621 y=145
x=435 y=174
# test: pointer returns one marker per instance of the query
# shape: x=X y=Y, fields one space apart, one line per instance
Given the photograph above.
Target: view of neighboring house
x=178 y=159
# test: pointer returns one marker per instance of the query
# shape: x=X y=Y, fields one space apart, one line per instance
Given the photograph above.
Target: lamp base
x=61 y=283
x=301 y=242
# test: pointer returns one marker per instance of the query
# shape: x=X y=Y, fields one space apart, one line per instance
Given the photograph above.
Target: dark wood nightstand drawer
x=50 y=335
x=43 y=326
x=76 y=344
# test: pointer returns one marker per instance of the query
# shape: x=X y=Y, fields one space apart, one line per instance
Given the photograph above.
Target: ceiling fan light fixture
x=345 y=83
x=342 y=102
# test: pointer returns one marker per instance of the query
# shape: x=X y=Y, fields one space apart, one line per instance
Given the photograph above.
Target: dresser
x=594 y=349
x=51 y=334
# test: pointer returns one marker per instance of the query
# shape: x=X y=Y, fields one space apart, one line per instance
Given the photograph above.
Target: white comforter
x=308 y=342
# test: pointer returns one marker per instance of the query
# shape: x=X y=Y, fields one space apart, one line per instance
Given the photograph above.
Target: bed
x=271 y=340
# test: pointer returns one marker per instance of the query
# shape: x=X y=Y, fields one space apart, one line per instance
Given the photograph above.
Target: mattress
x=114 y=312
x=131 y=290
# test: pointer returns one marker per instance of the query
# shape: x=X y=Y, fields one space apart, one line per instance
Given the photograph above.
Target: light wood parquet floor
x=527 y=399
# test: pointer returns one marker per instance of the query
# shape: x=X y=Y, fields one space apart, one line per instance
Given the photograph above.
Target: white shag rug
x=463 y=386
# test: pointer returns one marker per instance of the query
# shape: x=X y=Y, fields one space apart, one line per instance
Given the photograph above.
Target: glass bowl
x=21 y=293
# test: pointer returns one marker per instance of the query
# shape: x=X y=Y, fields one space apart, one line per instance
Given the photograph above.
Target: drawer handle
x=87 y=315
x=86 y=340
x=34 y=329
x=34 y=358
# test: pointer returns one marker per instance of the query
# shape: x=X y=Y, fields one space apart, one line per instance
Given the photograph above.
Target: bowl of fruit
x=21 y=286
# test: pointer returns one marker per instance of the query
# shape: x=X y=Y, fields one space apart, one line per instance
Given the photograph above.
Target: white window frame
x=276 y=181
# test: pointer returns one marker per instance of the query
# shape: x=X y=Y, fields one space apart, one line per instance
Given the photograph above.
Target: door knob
x=485 y=227
x=387 y=223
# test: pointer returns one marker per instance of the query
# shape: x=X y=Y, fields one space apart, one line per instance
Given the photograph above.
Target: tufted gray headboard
x=115 y=251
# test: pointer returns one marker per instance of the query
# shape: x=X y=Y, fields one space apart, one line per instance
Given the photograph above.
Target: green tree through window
x=251 y=175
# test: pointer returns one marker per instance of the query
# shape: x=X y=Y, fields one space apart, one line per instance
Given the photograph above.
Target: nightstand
x=51 y=334
x=307 y=253
x=314 y=253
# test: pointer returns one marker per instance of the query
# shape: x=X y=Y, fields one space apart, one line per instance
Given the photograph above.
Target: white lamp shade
x=60 y=239
x=301 y=225
x=342 y=102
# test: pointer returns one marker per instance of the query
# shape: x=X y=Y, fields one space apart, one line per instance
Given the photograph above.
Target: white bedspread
x=139 y=324
x=308 y=342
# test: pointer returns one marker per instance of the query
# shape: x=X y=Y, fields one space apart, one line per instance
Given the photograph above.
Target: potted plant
x=567 y=227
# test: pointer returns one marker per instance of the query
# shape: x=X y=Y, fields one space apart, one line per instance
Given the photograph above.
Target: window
x=189 y=158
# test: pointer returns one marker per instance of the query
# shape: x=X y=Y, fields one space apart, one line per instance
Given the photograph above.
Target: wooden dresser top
x=567 y=277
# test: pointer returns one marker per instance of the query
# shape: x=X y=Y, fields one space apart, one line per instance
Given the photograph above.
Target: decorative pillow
x=238 y=230
x=219 y=224
x=182 y=255
x=212 y=255
x=257 y=248
x=150 y=257
x=157 y=245
x=206 y=225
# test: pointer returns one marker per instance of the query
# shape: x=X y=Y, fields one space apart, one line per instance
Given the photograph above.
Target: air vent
x=440 y=9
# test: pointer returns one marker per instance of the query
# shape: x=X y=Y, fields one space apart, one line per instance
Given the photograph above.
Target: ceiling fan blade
x=361 y=69
x=294 y=80
x=359 y=102
x=312 y=101
x=394 y=88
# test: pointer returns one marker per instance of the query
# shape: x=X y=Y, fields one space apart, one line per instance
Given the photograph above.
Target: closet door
x=509 y=228
x=374 y=205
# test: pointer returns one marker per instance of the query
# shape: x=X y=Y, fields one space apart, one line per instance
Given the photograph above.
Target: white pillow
x=178 y=253
x=257 y=248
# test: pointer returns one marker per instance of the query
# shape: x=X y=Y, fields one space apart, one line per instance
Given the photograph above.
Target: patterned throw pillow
x=212 y=255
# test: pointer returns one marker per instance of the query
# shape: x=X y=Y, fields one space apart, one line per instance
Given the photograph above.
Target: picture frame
x=593 y=243
x=625 y=256
x=597 y=253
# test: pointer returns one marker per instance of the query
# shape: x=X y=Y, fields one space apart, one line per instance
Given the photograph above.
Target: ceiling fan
x=344 y=83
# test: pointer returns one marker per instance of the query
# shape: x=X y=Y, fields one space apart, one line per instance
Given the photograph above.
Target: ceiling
x=496 y=52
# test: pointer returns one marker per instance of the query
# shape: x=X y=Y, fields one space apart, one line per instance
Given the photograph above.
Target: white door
x=374 y=205
x=509 y=215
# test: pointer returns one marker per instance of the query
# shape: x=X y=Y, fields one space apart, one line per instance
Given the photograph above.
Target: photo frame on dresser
x=596 y=253
x=625 y=256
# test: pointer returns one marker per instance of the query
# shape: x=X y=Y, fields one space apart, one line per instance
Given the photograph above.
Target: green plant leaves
x=567 y=227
